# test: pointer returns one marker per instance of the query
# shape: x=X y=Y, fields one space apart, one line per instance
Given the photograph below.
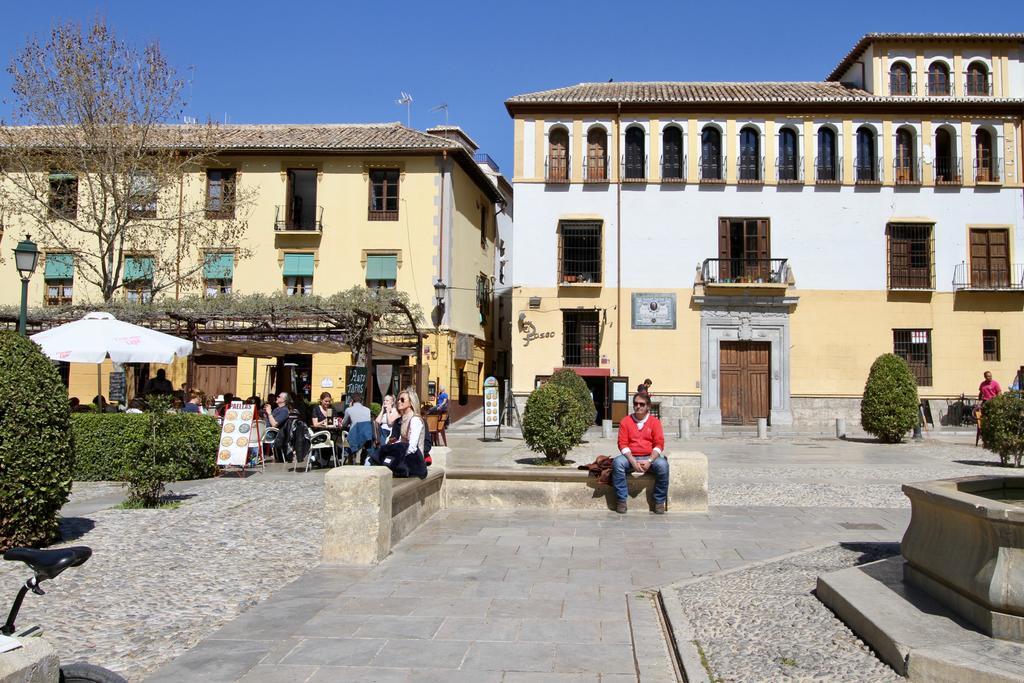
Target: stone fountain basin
x=965 y=547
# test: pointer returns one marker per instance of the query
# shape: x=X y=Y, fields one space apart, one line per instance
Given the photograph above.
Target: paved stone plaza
x=230 y=580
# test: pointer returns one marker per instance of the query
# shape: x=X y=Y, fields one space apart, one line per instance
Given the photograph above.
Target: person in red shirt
x=988 y=389
x=641 y=448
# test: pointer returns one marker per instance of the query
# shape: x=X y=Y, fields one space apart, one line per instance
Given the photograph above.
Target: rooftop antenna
x=406 y=99
x=442 y=107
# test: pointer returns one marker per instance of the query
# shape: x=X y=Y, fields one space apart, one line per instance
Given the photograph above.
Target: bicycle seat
x=49 y=563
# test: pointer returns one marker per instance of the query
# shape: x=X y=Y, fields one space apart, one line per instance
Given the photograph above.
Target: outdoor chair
x=359 y=438
x=269 y=437
x=319 y=441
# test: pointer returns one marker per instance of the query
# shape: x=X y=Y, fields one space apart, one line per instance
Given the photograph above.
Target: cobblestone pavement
x=764 y=623
x=159 y=580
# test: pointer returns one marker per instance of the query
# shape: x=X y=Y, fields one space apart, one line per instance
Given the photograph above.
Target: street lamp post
x=26 y=255
x=440 y=288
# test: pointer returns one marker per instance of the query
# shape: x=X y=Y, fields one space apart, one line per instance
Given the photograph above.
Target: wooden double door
x=744 y=381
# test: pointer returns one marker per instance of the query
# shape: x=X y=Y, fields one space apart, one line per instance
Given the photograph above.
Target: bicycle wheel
x=81 y=672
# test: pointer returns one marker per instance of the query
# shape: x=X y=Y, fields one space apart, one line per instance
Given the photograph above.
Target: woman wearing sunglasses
x=641 y=444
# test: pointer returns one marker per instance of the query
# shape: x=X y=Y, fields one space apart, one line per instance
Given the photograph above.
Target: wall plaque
x=654 y=311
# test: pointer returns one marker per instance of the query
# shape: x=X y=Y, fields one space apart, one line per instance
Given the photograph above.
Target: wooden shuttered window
x=744 y=249
x=910 y=256
x=990 y=258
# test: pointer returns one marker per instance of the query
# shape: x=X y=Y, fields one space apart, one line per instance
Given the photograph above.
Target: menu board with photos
x=235 y=435
x=491 y=408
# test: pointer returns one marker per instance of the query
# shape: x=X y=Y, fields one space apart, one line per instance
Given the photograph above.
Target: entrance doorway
x=744 y=381
x=214 y=375
x=294 y=375
x=610 y=394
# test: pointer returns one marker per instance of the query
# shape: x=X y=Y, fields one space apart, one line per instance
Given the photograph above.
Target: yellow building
x=752 y=247
x=331 y=207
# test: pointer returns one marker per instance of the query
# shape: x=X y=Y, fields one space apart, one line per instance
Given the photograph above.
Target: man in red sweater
x=641 y=444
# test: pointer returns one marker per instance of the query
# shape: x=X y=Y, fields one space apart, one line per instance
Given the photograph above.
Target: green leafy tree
x=555 y=421
x=1002 y=426
x=574 y=383
x=889 y=407
x=36 y=446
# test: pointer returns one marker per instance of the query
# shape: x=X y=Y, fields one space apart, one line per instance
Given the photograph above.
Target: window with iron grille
x=483 y=295
x=750 y=154
x=220 y=193
x=63 y=199
x=579 y=251
x=580 y=338
x=483 y=225
x=990 y=345
x=910 y=256
x=977 y=79
x=938 y=79
x=384 y=194
x=635 y=161
x=899 y=79
x=867 y=162
x=788 y=155
x=915 y=347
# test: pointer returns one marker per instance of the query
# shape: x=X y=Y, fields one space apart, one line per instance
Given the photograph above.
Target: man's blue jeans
x=659 y=468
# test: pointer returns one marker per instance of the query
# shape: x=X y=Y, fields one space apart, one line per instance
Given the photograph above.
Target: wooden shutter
x=724 y=272
x=999 y=258
x=899 y=259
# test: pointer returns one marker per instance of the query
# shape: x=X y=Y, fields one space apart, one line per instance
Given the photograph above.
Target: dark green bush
x=374 y=410
x=889 y=408
x=1002 y=426
x=574 y=383
x=554 y=421
x=106 y=444
x=36 y=445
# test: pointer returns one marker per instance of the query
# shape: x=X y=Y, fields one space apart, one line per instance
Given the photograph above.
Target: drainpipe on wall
x=618 y=250
x=440 y=271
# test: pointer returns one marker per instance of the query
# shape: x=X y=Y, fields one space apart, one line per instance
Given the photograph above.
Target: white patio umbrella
x=100 y=335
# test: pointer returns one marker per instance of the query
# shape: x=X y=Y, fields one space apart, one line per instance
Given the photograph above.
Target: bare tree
x=95 y=162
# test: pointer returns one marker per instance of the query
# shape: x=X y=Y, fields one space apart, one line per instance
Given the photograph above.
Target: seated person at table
x=359 y=423
x=404 y=453
x=641 y=445
x=279 y=415
x=442 y=402
x=323 y=412
x=195 y=400
x=356 y=412
x=387 y=417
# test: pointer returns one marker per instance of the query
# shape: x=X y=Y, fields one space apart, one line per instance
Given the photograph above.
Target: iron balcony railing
x=828 y=170
x=940 y=85
x=869 y=171
x=986 y=170
x=744 y=270
x=673 y=171
x=633 y=170
x=595 y=169
x=751 y=168
x=557 y=170
x=900 y=87
x=947 y=170
x=977 y=85
x=303 y=220
x=712 y=169
x=906 y=171
x=790 y=169
x=993 y=277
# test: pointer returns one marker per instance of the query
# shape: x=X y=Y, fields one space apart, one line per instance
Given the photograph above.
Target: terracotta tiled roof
x=680 y=92
x=869 y=38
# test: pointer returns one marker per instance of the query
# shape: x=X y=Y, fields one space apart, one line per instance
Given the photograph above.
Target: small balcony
x=772 y=274
x=948 y=170
x=712 y=170
x=299 y=219
x=673 y=170
x=869 y=171
x=1007 y=277
x=986 y=171
x=790 y=170
x=595 y=169
x=906 y=171
x=977 y=85
x=634 y=170
x=750 y=169
x=556 y=170
x=828 y=171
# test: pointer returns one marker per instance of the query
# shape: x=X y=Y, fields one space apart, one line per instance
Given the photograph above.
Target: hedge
x=1002 y=426
x=889 y=408
x=36 y=448
x=106 y=443
x=555 y=421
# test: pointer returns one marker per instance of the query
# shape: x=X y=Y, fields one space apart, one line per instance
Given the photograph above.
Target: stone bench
x=548 y=488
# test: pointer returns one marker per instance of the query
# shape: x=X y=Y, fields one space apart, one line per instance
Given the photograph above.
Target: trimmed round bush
x=574 y=383
x=1002 y=426
x=555 y=421
x=36 y=445
x=889 y=408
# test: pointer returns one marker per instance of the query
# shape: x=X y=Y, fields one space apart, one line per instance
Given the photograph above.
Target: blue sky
x=307 y=61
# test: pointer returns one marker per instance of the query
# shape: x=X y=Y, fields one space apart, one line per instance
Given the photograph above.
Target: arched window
x=789 y=161
x=711 y=161
x=750 y=154
x=899 y=79
x=867 y=162
x=938 y=79
x=984 y=159
x=947 y=168
x=672 y=154
x=827 y=164
x=558 y=155
x=634 y=166
x=904 y=161
x=597 y=154
x=977 y=79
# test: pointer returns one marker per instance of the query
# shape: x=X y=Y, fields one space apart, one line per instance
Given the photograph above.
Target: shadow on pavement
x=72 y=528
